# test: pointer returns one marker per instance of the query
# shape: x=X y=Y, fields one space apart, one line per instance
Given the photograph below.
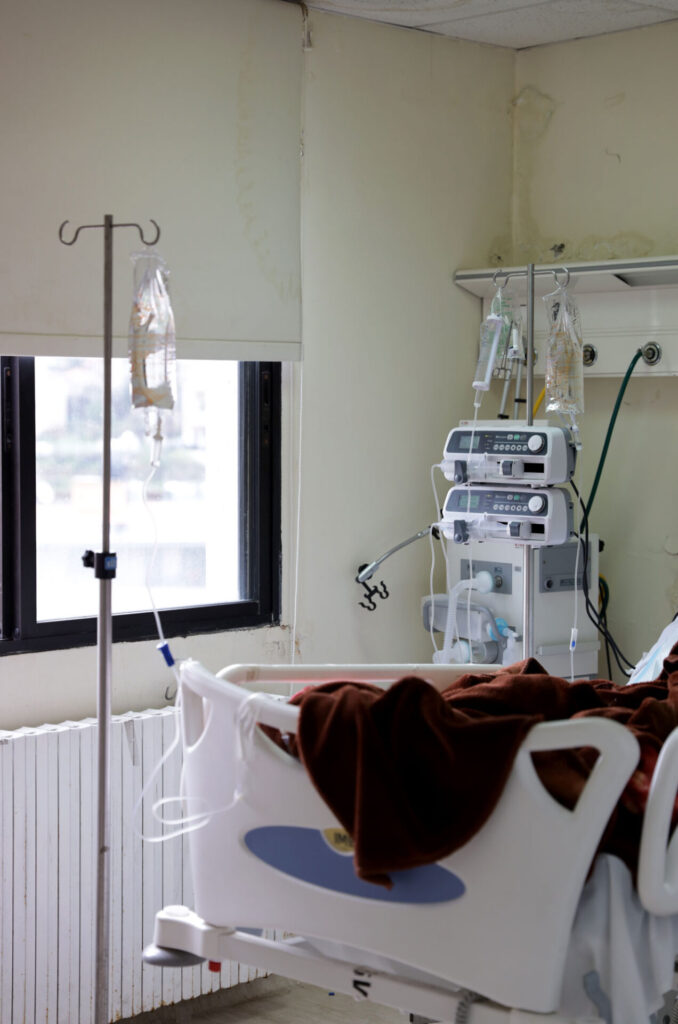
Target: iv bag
x=152 y=342
x=564 y=356
x=495 y=332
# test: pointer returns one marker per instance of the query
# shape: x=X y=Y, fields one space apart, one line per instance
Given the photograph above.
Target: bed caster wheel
x=161 y=956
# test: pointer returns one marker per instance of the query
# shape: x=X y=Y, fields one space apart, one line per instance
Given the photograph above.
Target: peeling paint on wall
x=532 y=113
x=625 y=244
x=500 y=251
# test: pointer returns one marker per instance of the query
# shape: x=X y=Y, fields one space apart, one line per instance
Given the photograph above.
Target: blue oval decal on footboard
x=304 y=854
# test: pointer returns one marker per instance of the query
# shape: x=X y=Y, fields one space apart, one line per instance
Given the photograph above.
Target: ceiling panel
x=552 y=22
x=416 y=13
x=513 y=23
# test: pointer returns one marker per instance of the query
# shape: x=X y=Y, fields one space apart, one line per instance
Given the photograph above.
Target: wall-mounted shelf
x=609 y=276
x=624 y=304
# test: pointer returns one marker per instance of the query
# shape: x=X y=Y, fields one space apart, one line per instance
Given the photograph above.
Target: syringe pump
x=487 y=453
x=522 y=515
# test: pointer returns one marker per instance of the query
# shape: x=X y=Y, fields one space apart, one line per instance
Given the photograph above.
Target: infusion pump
x=519 y=514
x=482 y=452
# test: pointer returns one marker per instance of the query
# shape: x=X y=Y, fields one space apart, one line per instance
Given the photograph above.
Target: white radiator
x=47 y=872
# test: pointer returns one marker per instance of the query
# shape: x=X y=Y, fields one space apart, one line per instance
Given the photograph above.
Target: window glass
x=192 y=499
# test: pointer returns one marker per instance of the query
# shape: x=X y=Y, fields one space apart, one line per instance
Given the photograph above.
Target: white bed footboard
x=658 y=859
x=495 y=916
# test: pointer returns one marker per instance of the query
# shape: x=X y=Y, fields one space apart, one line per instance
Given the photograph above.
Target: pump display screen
x=464 y=501
x=464 y=443
x=497 y=443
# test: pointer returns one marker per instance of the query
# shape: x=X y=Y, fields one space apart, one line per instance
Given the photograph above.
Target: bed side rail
x=265 y=681
x=279 y=678
x=618 y=747
x=618 y=755
x=658 y=861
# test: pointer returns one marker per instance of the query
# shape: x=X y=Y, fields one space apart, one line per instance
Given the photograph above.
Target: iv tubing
x=610 y=429
x=451 y=624
x=295 y=602
x=517 y=399
x=540 y=399
x=575 y=623
x=432 y=607
x=436 y=500
x=151 y=561
x=470 y=548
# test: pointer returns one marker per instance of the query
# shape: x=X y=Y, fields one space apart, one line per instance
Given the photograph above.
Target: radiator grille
x=47 y=872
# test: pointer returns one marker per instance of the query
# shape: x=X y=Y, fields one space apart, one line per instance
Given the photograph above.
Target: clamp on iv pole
x=104 y=565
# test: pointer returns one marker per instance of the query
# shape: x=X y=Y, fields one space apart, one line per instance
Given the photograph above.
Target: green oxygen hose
x=608 y=437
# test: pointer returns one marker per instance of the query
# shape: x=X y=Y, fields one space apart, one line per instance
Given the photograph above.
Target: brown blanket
x=412 y=774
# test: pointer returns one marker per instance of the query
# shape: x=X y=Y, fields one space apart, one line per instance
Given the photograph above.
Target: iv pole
x=528 y=585
x=104 y=565
x=528 y=597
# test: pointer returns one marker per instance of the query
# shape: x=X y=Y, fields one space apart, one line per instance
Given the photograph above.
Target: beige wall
x=595 y=158
x=596 y=147
x=407 y=175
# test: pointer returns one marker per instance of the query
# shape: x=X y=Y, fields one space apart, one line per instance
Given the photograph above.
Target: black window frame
x=260 y=547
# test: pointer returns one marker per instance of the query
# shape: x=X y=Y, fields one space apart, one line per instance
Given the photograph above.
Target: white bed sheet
x=620 y=961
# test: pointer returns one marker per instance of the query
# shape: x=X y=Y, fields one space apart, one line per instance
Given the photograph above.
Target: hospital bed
x=493 y=919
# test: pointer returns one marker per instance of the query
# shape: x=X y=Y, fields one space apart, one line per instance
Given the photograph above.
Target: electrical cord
x=622 y=661
x=599 y=618
x=604 y=596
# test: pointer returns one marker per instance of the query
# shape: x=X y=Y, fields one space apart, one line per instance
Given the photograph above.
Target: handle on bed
x=618 y=755
x=197 y=683
x=278 y=678
x=658 y=862
x=617 y=746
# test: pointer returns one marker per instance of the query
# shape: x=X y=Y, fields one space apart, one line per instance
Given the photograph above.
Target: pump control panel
x=522 y=515
x=485 y=453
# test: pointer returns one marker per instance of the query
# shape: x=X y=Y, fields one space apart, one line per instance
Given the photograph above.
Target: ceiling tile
x=551 y=22
x=415 y=13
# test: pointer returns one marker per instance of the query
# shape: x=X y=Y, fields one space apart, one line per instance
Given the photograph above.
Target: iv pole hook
x=132 y=225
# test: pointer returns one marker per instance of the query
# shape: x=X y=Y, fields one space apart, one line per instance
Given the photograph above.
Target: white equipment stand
x=104 y=565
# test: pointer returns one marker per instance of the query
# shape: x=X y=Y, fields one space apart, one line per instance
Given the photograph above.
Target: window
x=213 y=504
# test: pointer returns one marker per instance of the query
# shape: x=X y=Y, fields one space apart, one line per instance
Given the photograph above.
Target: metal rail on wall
x=104 y=564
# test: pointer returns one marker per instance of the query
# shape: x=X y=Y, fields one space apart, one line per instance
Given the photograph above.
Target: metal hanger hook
x=497 y=274
x=146 y=241
x=565 y=271
x=133 y=225
x=77 y=232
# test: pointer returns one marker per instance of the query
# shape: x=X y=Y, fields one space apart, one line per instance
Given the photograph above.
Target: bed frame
x=493 y=918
